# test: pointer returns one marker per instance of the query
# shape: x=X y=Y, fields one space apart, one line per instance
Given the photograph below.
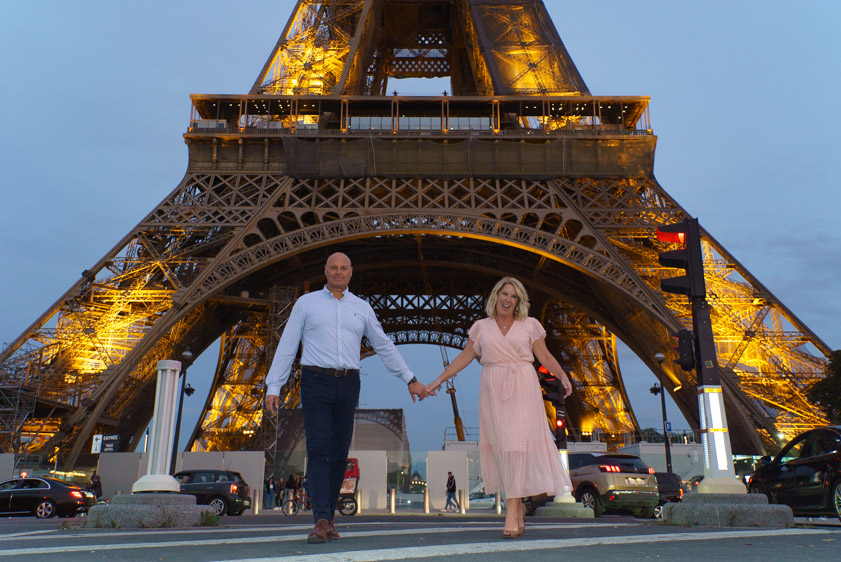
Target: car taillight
x=681 y=493
x=234 y=489
x=76 y=494
x=650 y=470
x=609 y=468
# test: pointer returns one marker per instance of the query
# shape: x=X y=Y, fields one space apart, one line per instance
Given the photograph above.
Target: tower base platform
x=727 y=510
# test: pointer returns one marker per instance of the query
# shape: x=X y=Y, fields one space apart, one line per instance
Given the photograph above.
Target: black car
x=224 y=490
x=670 y=489
x=43 y=497
x=805 y=475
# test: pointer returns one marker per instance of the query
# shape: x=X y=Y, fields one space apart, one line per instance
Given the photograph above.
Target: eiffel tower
x=517 y=170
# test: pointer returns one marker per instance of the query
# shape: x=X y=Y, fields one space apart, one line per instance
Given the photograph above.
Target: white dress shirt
x=331 y=331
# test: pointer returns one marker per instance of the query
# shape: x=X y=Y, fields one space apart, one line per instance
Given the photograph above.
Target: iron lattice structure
x=519 y=171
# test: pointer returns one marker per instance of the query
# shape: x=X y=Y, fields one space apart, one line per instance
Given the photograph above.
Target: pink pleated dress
x=516 y=446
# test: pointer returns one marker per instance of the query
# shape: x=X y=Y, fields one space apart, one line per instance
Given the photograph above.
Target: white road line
x=64 y=535
x=29 y=534
x=523 y=546
x=343 y=528
x=221 y=541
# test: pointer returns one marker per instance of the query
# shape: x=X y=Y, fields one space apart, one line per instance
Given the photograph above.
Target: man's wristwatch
x=414 y=379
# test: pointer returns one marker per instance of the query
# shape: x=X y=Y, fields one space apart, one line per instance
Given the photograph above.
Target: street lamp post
x=186 y=360
x=659 y=357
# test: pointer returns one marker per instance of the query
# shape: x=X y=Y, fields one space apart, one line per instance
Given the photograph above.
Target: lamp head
x=659 y=357
x=186 y=357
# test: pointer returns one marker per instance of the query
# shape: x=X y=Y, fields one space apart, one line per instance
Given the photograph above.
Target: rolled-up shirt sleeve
x=385 y=348
x=287 y=349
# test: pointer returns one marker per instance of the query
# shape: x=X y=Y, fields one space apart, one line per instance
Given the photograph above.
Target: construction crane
x=451 y=389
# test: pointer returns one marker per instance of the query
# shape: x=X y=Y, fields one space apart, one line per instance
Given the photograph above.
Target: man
x=330 y=323
x=96 y=485
x=451 y=493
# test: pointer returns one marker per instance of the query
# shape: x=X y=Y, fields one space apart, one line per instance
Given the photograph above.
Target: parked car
x=691 y=484
x=670 y=488
x=43 y=497
x=805 y=475
x=613 y=481
x=482 y=500
x=223 y=490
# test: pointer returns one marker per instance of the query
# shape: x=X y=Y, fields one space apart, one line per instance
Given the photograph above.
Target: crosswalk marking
x=408 y=553
x=212 y=538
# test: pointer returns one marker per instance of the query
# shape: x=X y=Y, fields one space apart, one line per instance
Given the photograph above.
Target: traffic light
x=685 y=350
x=553 y=394
x=553 y=390
x=687 y=258
x=560 y=429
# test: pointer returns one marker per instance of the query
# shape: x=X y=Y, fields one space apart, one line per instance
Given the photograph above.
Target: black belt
x=338 y=373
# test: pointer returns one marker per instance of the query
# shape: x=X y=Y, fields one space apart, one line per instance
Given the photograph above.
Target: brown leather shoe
x=321 y=533
x=334 y=534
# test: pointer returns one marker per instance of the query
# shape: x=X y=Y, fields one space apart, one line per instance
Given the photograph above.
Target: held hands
x=418 y=390
x=433 y=388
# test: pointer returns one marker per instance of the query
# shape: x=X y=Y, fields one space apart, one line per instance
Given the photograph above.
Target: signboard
x=668 y=426
x=111 y=443
x=96 y=443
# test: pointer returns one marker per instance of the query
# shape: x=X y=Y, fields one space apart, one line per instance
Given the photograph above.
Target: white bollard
x=498 y=503
x=462 y=502
x=392 y=500
x=426 y=500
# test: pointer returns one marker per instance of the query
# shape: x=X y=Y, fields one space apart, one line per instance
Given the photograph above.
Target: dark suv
x=223 y=490
x=614 y=482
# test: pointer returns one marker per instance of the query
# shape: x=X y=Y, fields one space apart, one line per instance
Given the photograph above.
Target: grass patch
x=209 y=519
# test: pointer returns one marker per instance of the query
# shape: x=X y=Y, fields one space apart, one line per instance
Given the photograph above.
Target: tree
x=827 y=391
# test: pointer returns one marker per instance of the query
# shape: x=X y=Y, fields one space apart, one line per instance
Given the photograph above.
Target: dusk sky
x=744 y=102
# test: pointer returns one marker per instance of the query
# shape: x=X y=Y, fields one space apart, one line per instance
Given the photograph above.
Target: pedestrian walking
x=330 y=324
x=516 y=446
x=451 y=494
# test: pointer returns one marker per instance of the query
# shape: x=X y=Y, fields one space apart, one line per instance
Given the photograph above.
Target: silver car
x=481 y=500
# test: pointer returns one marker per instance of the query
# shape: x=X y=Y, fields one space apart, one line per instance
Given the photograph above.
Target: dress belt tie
x=508 y=383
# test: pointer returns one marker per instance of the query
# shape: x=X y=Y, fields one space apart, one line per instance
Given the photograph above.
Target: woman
x=517 y=449
x=269 y=493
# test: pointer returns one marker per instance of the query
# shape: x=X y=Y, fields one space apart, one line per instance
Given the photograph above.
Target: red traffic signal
x=687 y=258
x=560 y=430
x=553 y=391
x=665 y=235
x=682 y=342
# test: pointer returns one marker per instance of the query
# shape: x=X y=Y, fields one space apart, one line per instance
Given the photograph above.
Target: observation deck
x=406 y=136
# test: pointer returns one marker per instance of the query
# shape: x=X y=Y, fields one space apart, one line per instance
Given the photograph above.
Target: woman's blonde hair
x=521 y=310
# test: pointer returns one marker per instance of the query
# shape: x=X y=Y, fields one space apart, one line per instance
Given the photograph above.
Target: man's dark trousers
x=329 y=404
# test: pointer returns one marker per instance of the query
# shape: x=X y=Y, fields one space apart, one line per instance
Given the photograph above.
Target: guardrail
x=586 y=131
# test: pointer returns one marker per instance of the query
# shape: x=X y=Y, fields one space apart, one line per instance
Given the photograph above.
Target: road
x=272 y=536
